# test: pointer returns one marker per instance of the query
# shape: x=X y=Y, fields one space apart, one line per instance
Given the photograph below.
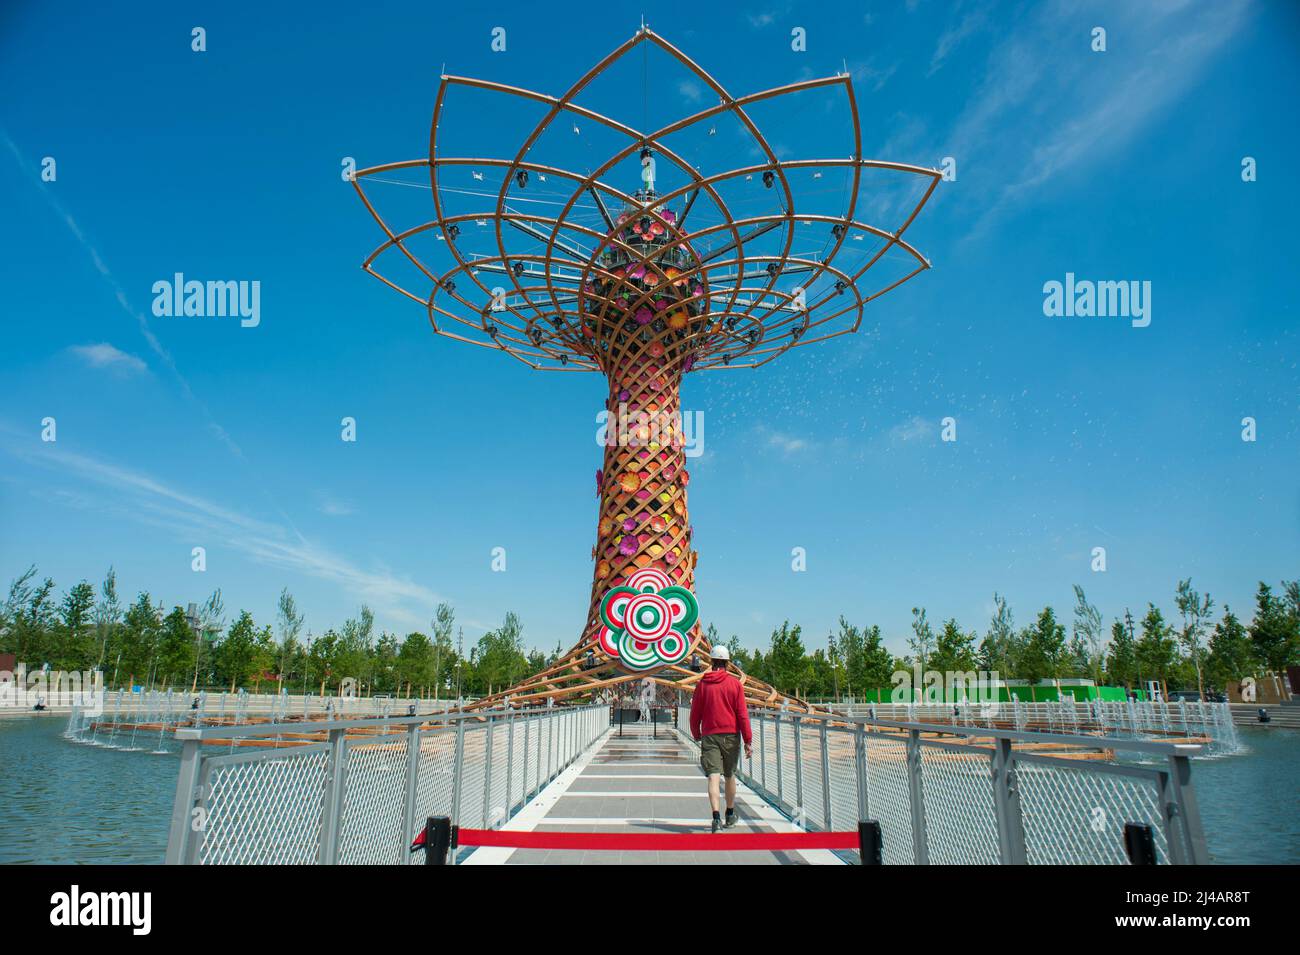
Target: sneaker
x=717 y=824
x=731 y=819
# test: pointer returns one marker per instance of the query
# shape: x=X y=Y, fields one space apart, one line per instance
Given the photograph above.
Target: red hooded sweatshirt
x=718 y=706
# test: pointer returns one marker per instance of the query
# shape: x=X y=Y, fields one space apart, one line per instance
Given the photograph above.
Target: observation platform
x=642 y=781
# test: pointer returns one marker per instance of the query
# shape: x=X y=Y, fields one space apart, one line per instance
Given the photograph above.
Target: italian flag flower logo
x=646 y=621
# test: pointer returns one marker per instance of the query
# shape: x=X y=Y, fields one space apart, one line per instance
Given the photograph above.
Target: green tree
x=384 y=671
x=108 y=614
x=1231 y=654
x=1090 y=651
x=28 y=619
x=995 y=653
x=75 y=645
x=265 y=655
x=1121 y=660
x=921 y=642
x=353 y=648
x=1044 y=652
x=788 y=666
x=237 y=653
x=175 y=648
x=1274 y=630
x=445 y=657
x=821 y=678
x=954 y=650
x=415 y=662
x=1157 y=650
x=212 y=620
x=289 y=619
x=138 y=641
x=499 y=658
x=1195 y=610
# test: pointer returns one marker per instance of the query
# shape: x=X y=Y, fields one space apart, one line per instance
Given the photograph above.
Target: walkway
x=639 y=783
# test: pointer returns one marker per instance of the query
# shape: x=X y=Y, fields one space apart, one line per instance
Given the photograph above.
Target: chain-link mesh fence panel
x=843 y=771
x=957 y=792
x=498 y=808
x=888 y=798
x=1075 y=814
x=262 y=811
x=471 y=777
x=810 y=773
x=374 y=799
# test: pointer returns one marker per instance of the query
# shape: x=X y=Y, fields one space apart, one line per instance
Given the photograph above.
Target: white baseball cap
x=720 y=652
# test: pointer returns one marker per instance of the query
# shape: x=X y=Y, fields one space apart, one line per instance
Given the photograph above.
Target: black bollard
x=437 y=840
x=871 y=844
x=1139 y=843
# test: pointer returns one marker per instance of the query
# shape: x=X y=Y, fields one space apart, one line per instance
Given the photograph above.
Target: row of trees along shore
x=142 y=644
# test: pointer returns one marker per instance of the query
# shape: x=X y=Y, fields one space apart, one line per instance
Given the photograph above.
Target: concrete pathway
x=639 y=783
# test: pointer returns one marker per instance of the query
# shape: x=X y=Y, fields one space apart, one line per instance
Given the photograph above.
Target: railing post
x=490 y=729
x=1006 y=805
x=762 y=751
x=537 y=776
x=334 y=802
x=796 y=724
x=524 y=791
x=181 y=830
x=457 y=771
x=412 y=785
x=550 y=744
x=860 y=769
x=1189 y=811
x=510 y=761
x=916 y=794
x=826 y=777
x=780 y=773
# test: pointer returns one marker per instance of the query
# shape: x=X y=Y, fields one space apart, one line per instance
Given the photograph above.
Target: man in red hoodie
x=719 y=720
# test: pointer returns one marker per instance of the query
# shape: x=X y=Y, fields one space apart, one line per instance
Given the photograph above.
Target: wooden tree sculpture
x=618 y=284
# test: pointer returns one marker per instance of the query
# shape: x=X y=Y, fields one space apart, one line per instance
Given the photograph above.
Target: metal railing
x=946 y=794
x=359 y=795
x=1133 y=719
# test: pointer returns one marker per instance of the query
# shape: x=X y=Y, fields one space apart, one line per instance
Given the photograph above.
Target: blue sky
x=1073 y=433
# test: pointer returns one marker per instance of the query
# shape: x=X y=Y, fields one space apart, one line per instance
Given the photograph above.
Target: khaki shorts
x=719 y=753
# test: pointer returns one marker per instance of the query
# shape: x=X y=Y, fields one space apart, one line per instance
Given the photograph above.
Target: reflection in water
x=67 y=802
x=1250 y=802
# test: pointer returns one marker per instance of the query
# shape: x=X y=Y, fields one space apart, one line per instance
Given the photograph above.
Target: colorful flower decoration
x=647 y=621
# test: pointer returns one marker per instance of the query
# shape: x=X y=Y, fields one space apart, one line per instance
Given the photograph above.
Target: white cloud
x=785 y=443
x=211 y=525
x=1043 y=86
x=333 y=507
x=104 y=355
x=952 y=38
x=912 y=430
